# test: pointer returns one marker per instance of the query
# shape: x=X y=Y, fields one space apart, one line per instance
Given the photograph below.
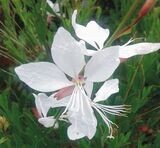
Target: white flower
x=80 y=114
x=71 y=75
x=43 y=104
x=92 y=33
x=81 y=125
x=95 y=35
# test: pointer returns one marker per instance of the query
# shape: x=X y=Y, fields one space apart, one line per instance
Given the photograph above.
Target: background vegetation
x=26 y=34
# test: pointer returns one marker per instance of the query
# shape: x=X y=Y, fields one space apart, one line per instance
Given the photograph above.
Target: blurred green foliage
x=26 y=34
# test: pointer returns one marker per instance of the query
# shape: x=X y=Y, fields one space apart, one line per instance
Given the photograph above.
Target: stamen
x=107 y=121
x=76 y=100
x=123 y=108
x=103 y=110
x=115 y=110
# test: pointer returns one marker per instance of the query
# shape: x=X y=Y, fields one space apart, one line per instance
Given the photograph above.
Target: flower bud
x=148 y=5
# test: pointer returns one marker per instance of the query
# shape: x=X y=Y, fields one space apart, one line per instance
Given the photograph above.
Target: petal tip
x=75 y=12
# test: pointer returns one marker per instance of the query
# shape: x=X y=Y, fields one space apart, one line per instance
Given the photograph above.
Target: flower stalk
x=124 y=20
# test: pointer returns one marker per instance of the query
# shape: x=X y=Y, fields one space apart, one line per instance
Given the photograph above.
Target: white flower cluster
x=71 y=78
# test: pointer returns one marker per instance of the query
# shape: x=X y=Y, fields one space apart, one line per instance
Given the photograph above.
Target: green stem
x=7 y=72
x=124 y=20
x=147 y=112
x=133 y=78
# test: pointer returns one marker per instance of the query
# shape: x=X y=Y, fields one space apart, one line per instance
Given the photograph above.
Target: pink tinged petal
x=138 y=49
x=42 y=76
x=48 y=122
x=92 y=33
x=64 y=92
x=66 y=53
x=102 y=64
x=107 y=89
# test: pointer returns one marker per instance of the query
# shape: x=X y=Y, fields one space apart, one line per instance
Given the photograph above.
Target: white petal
x=92 y=33
x=86 y=51
x=42 y=76
x=88 y=88
x=43 y=103
x=54 y=6
x=74 y=133
x=107 y=89
x=102 y=64
x=81 y=126
x=66 y=53
x=47 y=121
x=138 y=49
x=98 y=34
x=82 y=116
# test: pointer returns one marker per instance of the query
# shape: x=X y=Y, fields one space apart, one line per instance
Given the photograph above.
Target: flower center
x=80 y=80
x=67 y=91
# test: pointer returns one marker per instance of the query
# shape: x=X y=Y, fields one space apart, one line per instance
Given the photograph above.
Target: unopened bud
x=148 y=5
